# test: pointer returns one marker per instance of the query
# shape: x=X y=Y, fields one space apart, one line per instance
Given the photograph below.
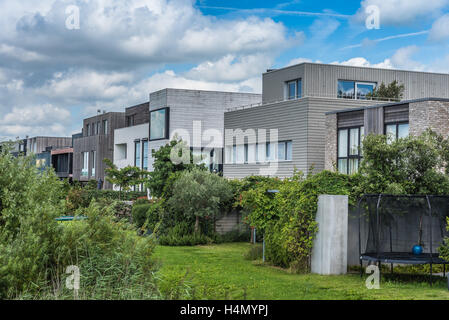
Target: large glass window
x=363 y=89
x=137 y=158
x=105 y=126
x=85 y=166
x=159 y=124
x=354 y=90
x=395 y=131
x=87 y=129
x=349 y=149
x=284 y=151
x=294 y=89
x=94 y=159
x=145 y=155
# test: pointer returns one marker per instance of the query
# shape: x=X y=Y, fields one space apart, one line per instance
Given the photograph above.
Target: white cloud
x=401 y=59
x=399 y=12
x=35 y=120
x=440 y=29
x=231 y=68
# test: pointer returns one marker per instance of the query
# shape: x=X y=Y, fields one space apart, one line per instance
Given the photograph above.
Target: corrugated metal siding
x=316 y=135
x=289 y=117
x=302 y=121
x=396 y=113
x=321 y=80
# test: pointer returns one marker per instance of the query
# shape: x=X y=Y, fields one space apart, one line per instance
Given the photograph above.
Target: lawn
x=221 y=272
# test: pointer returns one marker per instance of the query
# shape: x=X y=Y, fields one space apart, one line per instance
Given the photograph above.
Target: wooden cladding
x=396 y=113
x=351 y=119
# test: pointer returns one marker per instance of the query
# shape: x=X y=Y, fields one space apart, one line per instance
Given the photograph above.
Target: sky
x=55 y=71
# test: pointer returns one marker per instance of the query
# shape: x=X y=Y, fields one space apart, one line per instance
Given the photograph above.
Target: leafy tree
x=126 y=177
x=393 y=91
x=412 y=165
x=164 y=167
x=200 y=194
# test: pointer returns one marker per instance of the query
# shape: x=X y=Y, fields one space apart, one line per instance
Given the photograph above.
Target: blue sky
x=52 y=76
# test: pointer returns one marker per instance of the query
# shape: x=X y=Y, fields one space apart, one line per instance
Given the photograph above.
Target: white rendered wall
x=127 y=136
x=329 y=255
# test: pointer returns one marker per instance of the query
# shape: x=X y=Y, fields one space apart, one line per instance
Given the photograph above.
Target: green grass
x=222 y=272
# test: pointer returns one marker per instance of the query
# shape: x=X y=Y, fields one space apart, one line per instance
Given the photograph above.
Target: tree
x=164 y=167
x=126 y=177
x=393 y=91
x=200 y=194
x=412 y=165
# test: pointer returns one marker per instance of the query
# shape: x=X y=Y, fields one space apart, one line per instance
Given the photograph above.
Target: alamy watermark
x=72 y=21
x=373 y=280
x=72 y=282
x=250 y=146
x=373 y=17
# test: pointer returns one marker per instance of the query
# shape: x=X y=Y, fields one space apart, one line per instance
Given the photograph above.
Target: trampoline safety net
x=390 y=226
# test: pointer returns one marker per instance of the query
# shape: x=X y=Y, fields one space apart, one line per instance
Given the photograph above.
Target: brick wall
x=429 y=114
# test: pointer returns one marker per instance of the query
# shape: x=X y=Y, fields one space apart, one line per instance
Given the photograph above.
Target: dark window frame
x=298 y=89
x=397 y=124
x=359 y=156
x=167 y=124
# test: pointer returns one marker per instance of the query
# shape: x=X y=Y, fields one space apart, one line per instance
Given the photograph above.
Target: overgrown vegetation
x=35 y=249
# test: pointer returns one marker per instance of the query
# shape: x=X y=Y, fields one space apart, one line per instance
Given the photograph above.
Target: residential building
x=295 y=100
x=345 y=128
x=41 y=148
x=62 y=162
x=95 y=145
x=197 y=117
x=17 y=147
x=131 y=142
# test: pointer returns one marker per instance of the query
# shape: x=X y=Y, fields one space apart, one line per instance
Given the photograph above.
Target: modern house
x=17 y=147
x=346 y=128
x=95 y=144
x=62 y=162
x=195 y=116
x=287 y=131
x=131 y=142
x=41 y=148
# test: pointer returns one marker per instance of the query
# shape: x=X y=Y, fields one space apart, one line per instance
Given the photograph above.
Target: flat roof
x=389 y=104
x=345 y=66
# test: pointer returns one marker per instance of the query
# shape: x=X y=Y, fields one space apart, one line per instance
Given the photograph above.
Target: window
x=284 y=151
x=294 y=89
x=145 y=155
x=97 y=128
x=159 y=124
x=349 y=149
x=137 y=151
x=121 y=151
x=130 y=121
x=87 y=129
x=354 y=89
x=93 y=129
x=94 y=158
x=105 y=126
x=395 y=131
x=85 y=166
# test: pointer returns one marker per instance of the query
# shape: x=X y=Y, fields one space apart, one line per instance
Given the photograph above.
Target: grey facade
x=184 y=107
x=320 y=80
x=95 y=145
x=301 y=119
x=415 y=116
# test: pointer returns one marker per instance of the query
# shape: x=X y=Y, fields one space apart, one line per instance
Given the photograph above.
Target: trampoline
x=391 y=225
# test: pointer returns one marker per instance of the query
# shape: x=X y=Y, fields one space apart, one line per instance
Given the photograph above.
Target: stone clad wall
x=331 y=142
x=429 y=114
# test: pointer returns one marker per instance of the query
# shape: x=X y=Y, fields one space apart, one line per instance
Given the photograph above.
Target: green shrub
x=35 y=249
x=139 y=213
x=237 y=235
x=254 y=253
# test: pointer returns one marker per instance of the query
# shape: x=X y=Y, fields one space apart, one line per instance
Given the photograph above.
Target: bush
x=287 y=218
x=254 y=253
x=35 y=249
x=147 y=213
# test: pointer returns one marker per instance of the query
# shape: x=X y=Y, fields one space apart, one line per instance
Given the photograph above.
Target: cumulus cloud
x=440 y=29
x=400 y=12
x=120 y=54
x=401 y=59
x=35 y=120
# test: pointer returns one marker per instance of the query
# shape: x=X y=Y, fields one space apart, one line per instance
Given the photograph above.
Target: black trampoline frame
x=398 y=257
